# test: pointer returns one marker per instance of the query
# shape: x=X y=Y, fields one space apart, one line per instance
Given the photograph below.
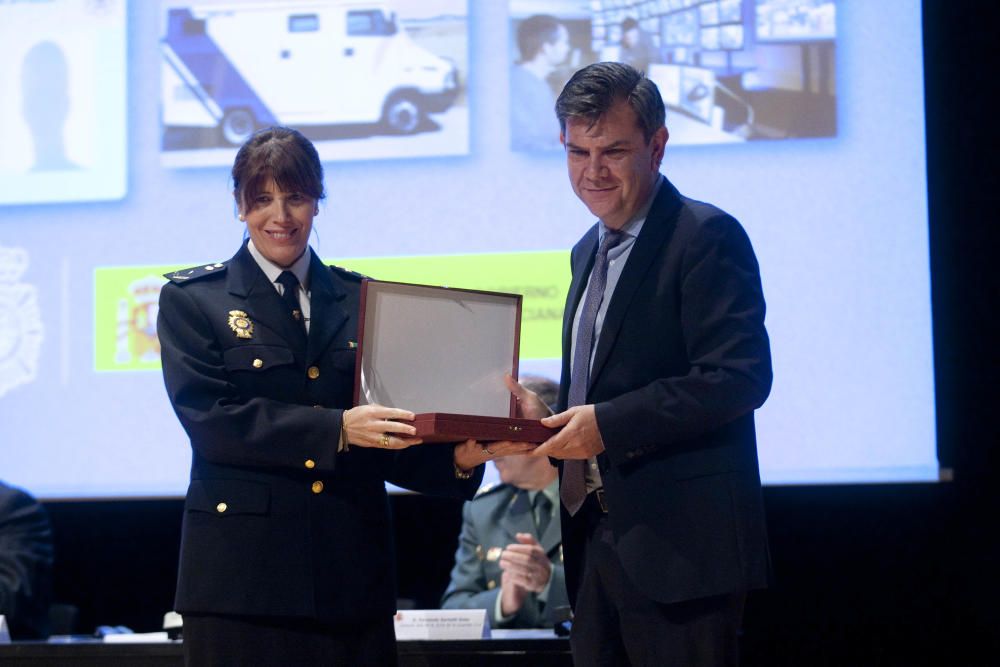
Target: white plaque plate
x=417 y=624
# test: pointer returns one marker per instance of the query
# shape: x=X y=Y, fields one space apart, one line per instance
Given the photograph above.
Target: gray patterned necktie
x=573 y=485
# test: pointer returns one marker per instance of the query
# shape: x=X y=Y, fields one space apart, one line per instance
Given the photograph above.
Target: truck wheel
x=237 y=126
x=402 y=114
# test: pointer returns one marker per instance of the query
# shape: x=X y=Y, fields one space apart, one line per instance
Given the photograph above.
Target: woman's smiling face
x=279 y=223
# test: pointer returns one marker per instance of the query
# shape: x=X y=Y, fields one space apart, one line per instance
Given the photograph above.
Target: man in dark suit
x=25 y=564
x=665 y=359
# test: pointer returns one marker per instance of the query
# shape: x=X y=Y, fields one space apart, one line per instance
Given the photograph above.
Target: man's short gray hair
x=593 y=90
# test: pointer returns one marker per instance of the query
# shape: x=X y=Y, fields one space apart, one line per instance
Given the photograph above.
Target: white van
x=239 y=66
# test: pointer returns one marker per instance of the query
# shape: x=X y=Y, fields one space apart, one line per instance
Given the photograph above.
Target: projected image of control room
x=728 y=70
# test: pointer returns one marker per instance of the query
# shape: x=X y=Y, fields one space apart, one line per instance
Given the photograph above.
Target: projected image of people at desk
x=543 y=44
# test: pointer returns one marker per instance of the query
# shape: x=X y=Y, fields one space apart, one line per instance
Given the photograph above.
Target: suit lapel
x=327 y=316
x=655 y=234
x=245 y=279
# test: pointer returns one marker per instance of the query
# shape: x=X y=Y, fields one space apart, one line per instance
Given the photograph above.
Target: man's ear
x=659 y=142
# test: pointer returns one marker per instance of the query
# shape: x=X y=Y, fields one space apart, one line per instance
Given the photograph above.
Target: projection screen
x=120 y=120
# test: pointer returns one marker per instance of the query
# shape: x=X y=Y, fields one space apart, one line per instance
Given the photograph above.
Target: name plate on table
x=442 y=353
x=441 y=624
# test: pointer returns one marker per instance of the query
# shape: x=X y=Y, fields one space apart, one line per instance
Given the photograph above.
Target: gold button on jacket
x=317 y=487
x=313 y=372
x=221 y=507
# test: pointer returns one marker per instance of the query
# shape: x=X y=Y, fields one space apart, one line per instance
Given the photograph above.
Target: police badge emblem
x=240 y=323
x=21 y=328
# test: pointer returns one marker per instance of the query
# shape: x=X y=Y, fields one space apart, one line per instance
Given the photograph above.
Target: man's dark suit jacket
x=26 y=555
x=682 y=362
x=276 y=522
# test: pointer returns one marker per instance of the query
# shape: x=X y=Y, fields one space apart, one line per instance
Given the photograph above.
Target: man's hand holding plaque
x=575 y=433
x=529 y=406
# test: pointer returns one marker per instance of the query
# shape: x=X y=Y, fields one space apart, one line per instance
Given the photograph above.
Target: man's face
x=631 y=37
x=611 y=167
x=525 y=472
x=555 y=52
x=279 y=223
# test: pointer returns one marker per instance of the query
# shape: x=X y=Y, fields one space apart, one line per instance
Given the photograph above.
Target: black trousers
x=252 y=641
x=614 y=623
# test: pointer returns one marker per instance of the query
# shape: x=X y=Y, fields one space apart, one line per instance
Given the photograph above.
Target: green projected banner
x=542 y=277
x=126 y=298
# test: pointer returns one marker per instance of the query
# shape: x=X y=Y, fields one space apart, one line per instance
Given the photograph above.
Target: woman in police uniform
x=286 y=551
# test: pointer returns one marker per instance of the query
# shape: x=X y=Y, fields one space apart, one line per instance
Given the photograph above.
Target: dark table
x=535 y=648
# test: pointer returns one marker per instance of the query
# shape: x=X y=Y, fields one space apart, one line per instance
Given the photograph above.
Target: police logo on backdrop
x=21 y=330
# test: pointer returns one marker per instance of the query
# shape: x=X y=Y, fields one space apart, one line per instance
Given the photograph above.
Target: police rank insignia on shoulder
x=194 y=273
x=240 y=323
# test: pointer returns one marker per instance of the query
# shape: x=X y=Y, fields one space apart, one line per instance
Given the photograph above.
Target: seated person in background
x=543 y=43
x=25 y=564
x=509 y=559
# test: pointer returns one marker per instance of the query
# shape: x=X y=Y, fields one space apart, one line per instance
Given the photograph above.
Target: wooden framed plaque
x=442 y=353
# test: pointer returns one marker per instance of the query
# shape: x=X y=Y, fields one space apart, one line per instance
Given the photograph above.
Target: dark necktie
x=290 y=296
x=573 y=486
x=543 y=513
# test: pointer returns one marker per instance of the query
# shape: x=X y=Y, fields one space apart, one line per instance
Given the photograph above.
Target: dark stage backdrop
x=879 y=574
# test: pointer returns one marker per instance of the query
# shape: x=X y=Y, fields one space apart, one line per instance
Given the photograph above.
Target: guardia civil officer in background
x=286 y=551
x=26 y=556
x=509 y=559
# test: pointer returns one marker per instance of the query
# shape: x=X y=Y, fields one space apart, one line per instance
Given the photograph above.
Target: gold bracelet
x=462 y=474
